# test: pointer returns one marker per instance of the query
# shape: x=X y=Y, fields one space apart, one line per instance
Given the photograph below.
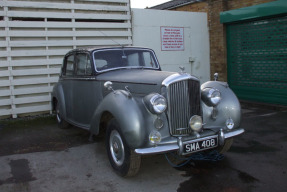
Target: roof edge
x=176 y=6
x=173 y=4
x=253 y=12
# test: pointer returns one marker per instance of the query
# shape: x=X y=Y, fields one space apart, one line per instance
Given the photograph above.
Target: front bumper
x=178 y=144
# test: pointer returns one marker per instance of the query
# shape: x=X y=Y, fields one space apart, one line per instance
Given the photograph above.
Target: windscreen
x=124 y=58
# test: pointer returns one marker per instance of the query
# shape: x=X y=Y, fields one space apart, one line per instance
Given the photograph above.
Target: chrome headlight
x=210 y=96
x=156 y=103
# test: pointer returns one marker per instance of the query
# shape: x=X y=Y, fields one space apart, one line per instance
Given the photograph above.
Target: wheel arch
x=127 y=112
x=58 y=97
x=104 y=121
x=54 y=103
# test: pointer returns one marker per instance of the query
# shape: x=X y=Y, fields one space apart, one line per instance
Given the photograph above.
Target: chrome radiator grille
x=183 y=102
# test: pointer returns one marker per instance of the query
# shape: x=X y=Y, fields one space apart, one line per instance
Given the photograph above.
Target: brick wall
x=194 y=7
x=217 y=39
x=236 y=4
x=218 y=57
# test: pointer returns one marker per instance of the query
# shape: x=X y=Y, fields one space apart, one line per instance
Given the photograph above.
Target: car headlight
x=210 y=96
x=156 y=103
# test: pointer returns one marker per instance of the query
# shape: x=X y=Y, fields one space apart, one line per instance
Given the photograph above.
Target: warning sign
x=172 y=38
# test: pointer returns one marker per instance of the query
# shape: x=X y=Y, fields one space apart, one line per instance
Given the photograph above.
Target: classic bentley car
x=123 y=93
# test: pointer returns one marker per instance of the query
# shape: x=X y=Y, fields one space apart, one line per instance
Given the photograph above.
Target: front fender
x=229 y=106
x=128 y=114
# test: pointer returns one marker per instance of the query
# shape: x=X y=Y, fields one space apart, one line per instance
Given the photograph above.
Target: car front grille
x=183 y=102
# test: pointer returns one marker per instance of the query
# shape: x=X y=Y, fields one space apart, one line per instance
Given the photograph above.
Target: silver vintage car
x=122 y=92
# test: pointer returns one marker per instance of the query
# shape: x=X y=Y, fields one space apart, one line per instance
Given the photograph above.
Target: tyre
x=226 y=146
x=63 y=124
x=124 y=161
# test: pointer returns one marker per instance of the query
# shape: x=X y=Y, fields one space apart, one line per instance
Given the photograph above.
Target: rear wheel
x=125 y=161
x=63 y=124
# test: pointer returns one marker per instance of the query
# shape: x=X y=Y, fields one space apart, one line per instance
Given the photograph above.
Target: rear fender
x=58 y=94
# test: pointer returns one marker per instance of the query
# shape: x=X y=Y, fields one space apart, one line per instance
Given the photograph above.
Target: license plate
x=200 y=144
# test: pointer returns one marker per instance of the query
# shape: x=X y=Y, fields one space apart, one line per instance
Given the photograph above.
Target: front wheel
x=226 y=146
x=125 y=161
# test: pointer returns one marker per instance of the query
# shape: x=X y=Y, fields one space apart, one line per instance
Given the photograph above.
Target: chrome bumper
x=178 y=145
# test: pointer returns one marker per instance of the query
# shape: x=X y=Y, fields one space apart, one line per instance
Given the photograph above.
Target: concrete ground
x=36 y=156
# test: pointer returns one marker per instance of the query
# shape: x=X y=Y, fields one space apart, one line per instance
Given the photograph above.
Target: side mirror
x=109 y=85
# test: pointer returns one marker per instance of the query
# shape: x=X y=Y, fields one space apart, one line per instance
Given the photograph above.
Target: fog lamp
x=195 y=123
x=155 y=137
x=229 y=123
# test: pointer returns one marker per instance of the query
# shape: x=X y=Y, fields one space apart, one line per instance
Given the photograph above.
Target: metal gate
x=257 y=59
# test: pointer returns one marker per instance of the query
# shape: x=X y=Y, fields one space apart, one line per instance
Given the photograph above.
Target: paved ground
x=36 y=156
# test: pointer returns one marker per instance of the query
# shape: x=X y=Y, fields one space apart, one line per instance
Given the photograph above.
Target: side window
x=69 y=70
x=84 y=67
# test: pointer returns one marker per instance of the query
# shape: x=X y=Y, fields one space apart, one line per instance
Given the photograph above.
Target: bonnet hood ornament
x=182 y=68
x=215 y=76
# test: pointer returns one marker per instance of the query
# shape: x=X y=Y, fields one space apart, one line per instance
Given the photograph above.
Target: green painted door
x=257 y=59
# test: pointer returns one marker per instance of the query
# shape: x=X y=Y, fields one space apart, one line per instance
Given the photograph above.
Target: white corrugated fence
x=34 y=36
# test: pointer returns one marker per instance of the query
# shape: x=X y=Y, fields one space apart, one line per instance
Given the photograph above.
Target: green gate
x=257 y=59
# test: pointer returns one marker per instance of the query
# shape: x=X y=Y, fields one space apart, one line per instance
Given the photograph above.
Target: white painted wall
x=146 y=25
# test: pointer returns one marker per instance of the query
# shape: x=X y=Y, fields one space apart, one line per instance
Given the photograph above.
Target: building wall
x=194 y=7
x=236 y=4
x=217 y=39
x=218 y=61
x=146 y=27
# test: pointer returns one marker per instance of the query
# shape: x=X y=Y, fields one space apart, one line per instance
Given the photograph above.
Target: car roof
x=91 y=49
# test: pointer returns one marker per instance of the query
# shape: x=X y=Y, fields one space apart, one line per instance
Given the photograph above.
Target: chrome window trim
x=79 y=78
x=128 y=48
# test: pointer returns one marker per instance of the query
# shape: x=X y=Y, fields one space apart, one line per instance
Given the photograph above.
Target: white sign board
x=172 y=38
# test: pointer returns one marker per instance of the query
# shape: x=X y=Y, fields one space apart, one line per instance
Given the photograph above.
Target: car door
x=67 y=84
x=86 y=93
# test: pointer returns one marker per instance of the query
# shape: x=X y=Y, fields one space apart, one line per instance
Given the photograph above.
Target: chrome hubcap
x=117 y=148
